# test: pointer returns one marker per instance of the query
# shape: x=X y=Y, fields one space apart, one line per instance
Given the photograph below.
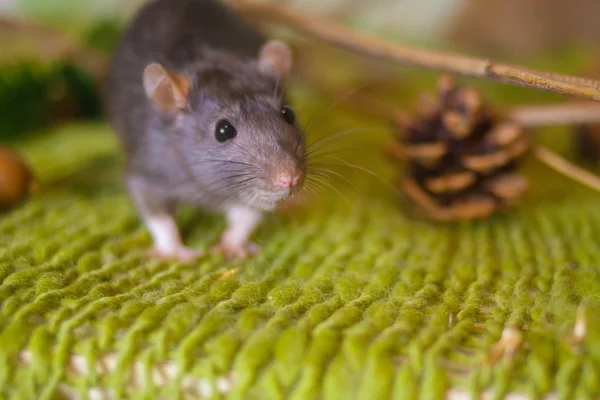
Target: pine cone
x=461 y=156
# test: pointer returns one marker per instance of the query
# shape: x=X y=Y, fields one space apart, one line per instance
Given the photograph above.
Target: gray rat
x=196 y=96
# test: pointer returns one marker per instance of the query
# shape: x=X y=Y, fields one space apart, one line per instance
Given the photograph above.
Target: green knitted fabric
x=351 y=297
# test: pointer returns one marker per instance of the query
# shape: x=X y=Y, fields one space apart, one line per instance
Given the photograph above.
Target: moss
x=34 y=95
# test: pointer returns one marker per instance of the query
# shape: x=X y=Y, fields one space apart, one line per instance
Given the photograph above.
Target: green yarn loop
x=346 y=301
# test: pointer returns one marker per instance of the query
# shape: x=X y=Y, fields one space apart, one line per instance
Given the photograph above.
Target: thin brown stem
x=568 y=113
x=343 y=37
x=566 y=168
x=527 y=115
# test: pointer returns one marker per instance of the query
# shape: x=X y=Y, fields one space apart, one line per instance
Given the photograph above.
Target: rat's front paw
x=180 y=253
x=238 y=252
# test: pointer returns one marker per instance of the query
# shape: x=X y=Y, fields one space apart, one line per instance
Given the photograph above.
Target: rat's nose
x=288 y=179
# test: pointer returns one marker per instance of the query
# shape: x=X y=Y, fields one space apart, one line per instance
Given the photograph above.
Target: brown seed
x=16 y=179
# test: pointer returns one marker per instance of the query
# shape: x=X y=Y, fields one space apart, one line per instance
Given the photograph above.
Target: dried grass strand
x=566 y=168
x=568 y=113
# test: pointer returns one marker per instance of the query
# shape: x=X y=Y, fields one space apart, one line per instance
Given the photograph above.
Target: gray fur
x=176 y=158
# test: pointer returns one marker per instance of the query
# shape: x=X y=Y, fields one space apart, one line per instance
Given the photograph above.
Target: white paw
x=237 y=252
x=180 y=253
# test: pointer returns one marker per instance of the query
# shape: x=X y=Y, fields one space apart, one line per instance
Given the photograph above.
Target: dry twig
x=509 y=342
x=580 y=328
x=312 y=26
x=568 y=113
x=526 y=115
x=566 y=168
x=229 y=273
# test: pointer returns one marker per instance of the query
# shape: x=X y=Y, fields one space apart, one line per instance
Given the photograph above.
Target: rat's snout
x=287 y=178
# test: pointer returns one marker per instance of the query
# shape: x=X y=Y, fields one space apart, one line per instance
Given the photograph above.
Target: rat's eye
x=288 y=115
x=224 y=131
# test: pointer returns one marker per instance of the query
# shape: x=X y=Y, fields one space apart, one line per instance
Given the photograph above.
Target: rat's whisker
x=239 y=186
x=335 y=104
x=239 y=189
x=311 y=186
x=230 y=176
x=303 y=197
x=235 y=183
x=299 y=141
x=212 y=173
x=305 y=127
x=286 y=84
x=198 y=177
x=332 y=188
x=332 y=136
x=195 y=176
x=243 y=167
x=246 y=151
x=226 y=162
x=327 y=173
x=335 y=177
x=344 y=163
x=320 y=153
x=275 y=92
x=232 y=181
x=324 y=190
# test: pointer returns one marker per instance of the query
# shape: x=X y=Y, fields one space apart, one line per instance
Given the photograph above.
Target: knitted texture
x=350 y=299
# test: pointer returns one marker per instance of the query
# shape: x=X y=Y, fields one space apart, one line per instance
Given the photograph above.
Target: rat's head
x=239 y=138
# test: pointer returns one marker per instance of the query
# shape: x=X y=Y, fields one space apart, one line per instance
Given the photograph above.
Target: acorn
x=16 y=179
x=461 y=156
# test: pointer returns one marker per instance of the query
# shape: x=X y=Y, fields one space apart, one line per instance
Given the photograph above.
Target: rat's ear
x=275 y=57
x=166 y=89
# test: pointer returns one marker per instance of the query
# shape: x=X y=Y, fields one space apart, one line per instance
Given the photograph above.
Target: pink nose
x=287 y=179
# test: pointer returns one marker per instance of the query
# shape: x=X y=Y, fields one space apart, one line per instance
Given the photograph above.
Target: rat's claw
x=180 y=253
x=238 y=252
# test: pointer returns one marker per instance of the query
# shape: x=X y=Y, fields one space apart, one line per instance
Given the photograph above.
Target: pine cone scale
x=508 y=187
x=451 y=182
